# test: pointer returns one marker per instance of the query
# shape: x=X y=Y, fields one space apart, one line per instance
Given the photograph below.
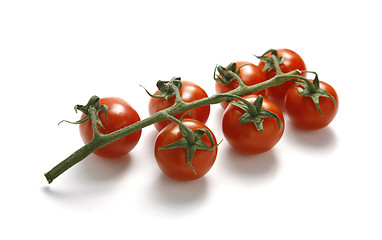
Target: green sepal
x=166 y=88
x=254 y=113
x=200 y=132
x=94 y=102
x=313 y=91
x=191 y=141
x=269 y=64
x=178 y=144
x=82 y=120
x=224 y=77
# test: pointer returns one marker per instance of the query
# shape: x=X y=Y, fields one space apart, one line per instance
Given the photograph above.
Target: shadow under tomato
x=171 y=193
x=256 y=167
x=324 y=139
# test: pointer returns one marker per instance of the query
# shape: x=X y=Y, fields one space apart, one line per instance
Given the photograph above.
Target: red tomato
x=249 y=74
x=189 y=92
x=303 y=112
x=173 y=162
x=292 y=62
x=245 y=138
x=120 y=114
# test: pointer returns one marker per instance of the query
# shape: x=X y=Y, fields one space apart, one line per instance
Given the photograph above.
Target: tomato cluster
x=186 y=149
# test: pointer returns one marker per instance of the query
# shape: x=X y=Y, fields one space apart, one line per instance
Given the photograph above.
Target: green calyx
x=93 y=104
x=269 y=60
x=312 y=90
x=167 y=88
x=254 y=112
x=191 y=140
x=225 y=74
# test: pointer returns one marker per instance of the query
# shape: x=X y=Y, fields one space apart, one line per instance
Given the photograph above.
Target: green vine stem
x=100 y=140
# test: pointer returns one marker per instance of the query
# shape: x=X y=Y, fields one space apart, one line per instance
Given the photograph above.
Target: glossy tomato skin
x=245 y=138
x=120 y=115
x=292 y=62
x=303 y=112
x=250 y=75
x=189 y=92
x=173 y=162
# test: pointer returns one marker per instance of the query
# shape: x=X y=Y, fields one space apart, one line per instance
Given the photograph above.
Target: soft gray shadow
x=256 y=167
x=324 y=139
x=178 y=194
x=93 y=176
x=95 y=169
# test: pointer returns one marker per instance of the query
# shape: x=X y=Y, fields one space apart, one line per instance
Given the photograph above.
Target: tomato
x=189 y=92
x=303 y=112
x=249 y=74
x=173 y=162
x=244 y=137
x=120 y=114
x=291 y=62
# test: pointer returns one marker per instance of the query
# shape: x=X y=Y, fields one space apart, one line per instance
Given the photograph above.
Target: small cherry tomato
x=245 y=137
x=303 y=112
x=292 y=61
x=173 y=162
x=189 y=92
x=250 y=74
x=120 y=114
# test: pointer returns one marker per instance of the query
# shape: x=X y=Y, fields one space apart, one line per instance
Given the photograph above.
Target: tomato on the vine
x=188 y=93
x=304 y=113
x=245 y=137
x=119 y=115
x=292 y=61
x=173 y=162
x=250 y=74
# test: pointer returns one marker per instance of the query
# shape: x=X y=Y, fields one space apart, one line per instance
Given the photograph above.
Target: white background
x=313 y=185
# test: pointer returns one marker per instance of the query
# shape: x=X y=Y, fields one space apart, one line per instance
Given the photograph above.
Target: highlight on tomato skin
x=304 y=114
x=120 y=114
x=173 y=162
x=250 y=75
x=245 y=138
x=189 y=92
x=292 y=61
